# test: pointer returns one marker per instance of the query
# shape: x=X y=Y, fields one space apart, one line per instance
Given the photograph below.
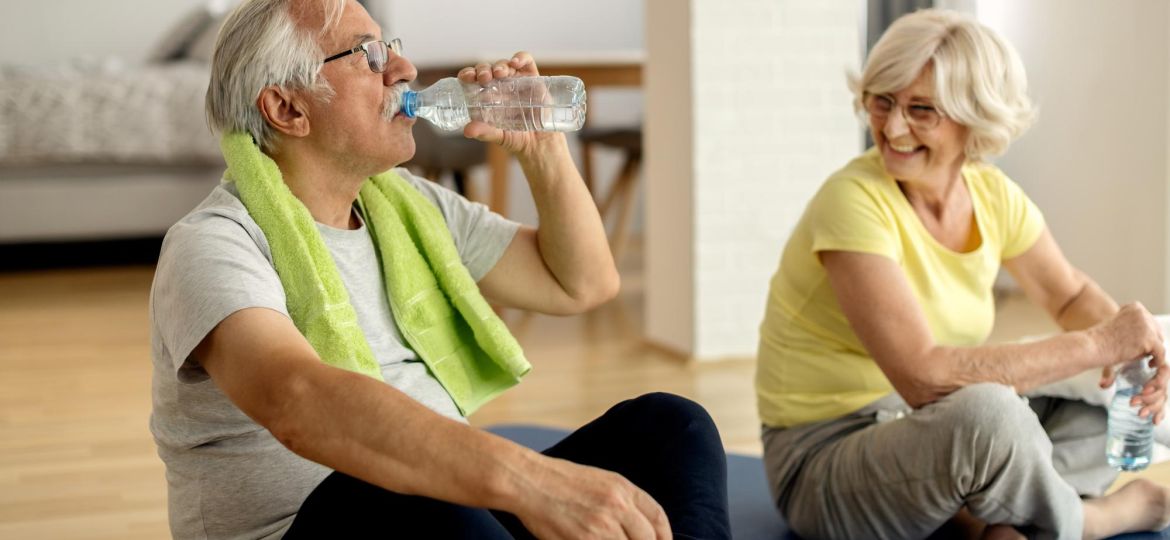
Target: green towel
x=437 y=305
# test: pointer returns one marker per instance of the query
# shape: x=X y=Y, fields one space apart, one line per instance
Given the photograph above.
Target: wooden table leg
x=499 y=161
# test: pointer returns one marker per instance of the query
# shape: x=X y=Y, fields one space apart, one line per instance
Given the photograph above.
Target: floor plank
x=77 y=461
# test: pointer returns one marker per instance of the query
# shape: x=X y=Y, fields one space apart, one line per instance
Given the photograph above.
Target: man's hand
x=565 y=266
x=574 y=501
x=517 y=142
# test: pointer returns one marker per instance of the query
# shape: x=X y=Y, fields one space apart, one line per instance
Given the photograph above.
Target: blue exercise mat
x=753 y=516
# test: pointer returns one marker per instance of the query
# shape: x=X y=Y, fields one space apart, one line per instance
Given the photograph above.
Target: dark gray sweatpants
x=884 y=472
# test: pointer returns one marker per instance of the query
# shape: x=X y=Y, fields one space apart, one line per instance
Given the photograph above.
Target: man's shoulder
x=220 y=220
x=223 y=202
x=432 y=191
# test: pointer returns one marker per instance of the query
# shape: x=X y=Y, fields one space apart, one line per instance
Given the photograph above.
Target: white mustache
x=394 y=100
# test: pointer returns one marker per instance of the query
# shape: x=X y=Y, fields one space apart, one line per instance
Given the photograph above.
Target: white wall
x=43 y=32
x=763 y=119
x=435 y=31
x=1096 y=161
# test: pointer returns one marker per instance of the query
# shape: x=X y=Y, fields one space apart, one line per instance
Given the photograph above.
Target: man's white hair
x=261 y=44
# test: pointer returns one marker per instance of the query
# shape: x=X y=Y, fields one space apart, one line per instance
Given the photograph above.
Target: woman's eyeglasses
x=917 y=115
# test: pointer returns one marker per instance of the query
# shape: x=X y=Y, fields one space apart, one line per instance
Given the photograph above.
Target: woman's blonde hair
x=979 y=80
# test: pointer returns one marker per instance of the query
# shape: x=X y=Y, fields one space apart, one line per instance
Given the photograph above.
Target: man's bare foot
x=1140 y=505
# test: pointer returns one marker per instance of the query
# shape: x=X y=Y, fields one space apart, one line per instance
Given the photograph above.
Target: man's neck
x=328 y=193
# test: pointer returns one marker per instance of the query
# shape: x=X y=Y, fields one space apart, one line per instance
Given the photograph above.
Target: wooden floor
x=77 y=460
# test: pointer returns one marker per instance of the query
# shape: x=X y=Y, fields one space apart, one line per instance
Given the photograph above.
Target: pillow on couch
x=178 y=38
x=204 y=44
x=193 y=36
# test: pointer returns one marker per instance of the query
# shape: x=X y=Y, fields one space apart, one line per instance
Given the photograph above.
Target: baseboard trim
x=27 y=256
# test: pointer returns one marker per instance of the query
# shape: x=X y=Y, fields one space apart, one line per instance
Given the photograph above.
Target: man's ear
x=284 y=110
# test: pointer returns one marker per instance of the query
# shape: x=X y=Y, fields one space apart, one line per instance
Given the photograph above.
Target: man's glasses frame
x=377 y=53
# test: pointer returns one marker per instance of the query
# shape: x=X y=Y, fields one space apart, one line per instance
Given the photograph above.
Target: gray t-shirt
x=227 y=476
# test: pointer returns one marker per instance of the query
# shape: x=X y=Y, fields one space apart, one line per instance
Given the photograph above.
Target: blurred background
x=710 y=125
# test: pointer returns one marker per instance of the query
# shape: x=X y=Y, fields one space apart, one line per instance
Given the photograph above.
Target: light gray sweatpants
x=876 y=474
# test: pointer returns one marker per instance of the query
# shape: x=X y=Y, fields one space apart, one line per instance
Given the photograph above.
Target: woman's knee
x=991 y=419
x=987 y=406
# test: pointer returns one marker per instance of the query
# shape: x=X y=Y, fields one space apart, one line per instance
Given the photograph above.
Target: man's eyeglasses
x=920 y=116
x=377 y=53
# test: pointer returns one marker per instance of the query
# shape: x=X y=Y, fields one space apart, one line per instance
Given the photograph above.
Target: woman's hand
x=1131 y=334
x=517 y=142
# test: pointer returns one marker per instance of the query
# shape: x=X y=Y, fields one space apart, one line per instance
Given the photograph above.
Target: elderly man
x=319 y=328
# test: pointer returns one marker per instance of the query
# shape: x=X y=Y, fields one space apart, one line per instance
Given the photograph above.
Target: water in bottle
x=1131 y=438
x=554 y=103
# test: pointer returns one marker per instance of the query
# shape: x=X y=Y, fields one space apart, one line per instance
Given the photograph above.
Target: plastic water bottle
x=514 y=104
x=1131 y=438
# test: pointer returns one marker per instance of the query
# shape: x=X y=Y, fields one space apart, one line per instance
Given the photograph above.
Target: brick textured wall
x=772 y=118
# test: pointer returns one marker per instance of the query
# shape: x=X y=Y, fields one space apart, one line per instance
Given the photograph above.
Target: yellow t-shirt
x=811 y=365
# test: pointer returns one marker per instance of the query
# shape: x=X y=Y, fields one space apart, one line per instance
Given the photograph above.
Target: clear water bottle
x=1131 y=438
x=514 y=104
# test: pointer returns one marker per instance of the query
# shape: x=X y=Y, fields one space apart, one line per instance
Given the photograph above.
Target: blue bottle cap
x=409 y=103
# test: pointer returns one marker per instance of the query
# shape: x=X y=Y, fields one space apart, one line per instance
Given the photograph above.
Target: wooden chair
x=620 y=197
x=438 y=153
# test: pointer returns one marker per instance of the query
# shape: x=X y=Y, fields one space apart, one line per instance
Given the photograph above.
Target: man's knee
x=660 y=410
x=664 y=405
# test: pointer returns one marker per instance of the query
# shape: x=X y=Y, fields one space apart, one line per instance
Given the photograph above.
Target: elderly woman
x=886 y=415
